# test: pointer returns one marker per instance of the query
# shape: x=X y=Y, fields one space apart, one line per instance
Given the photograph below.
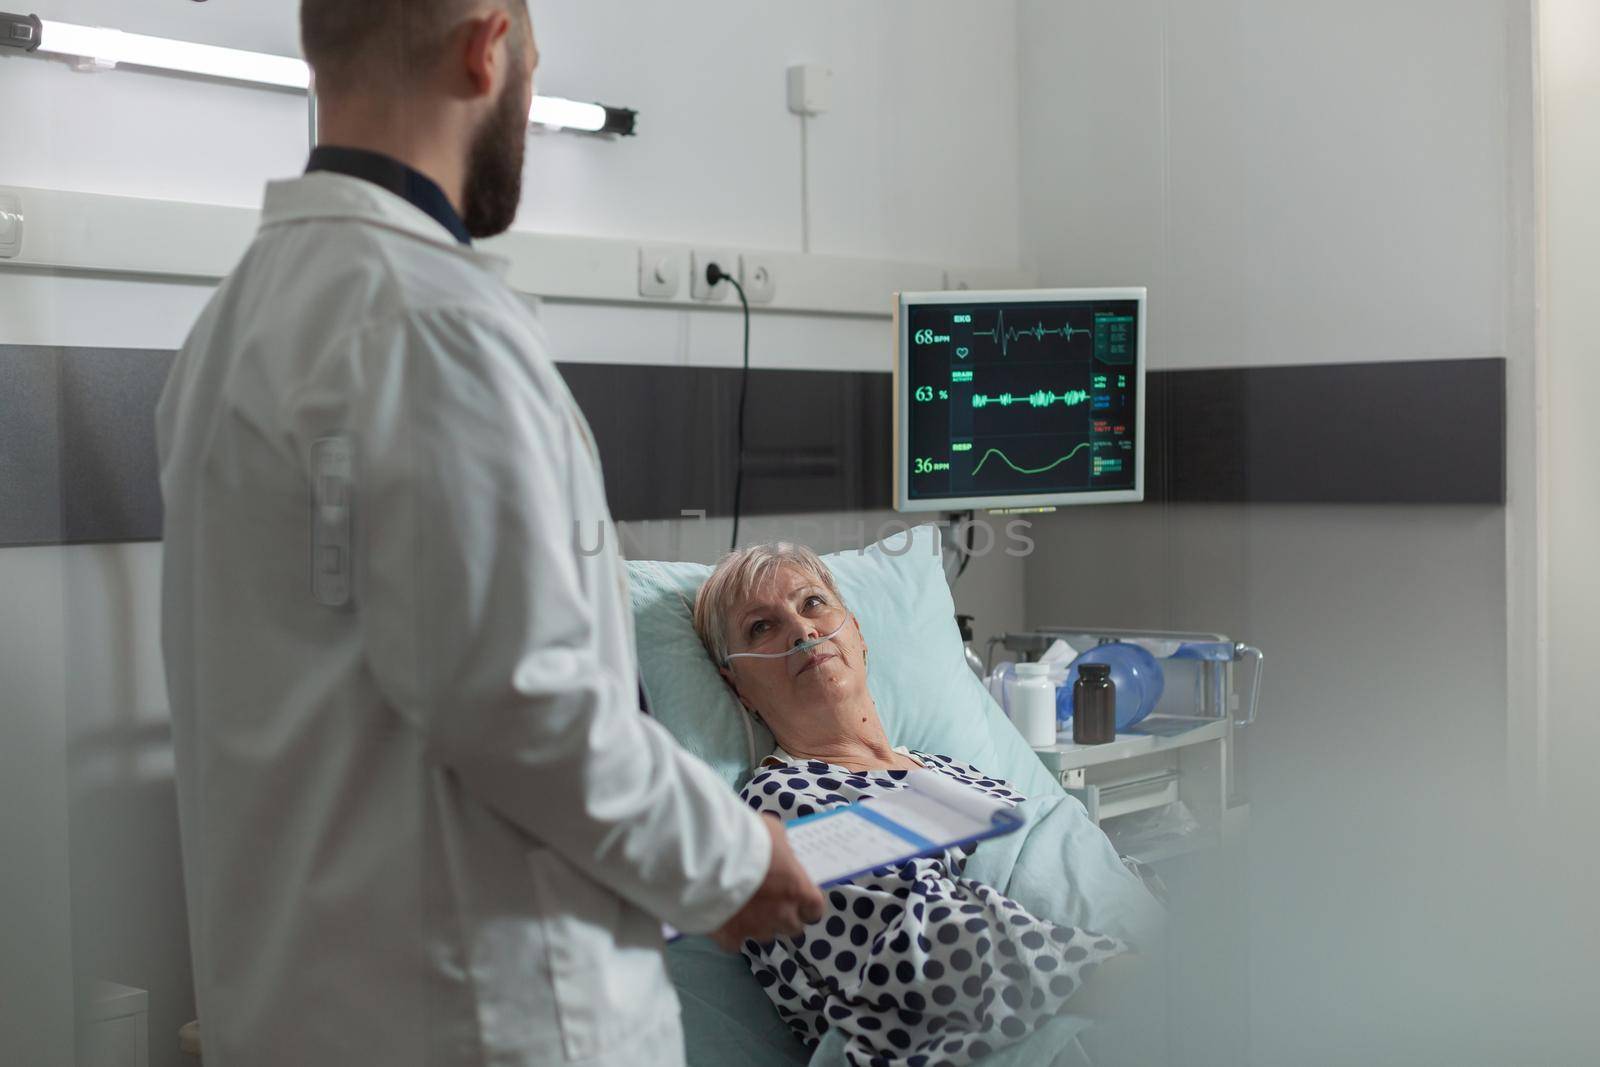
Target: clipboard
x=931 y=814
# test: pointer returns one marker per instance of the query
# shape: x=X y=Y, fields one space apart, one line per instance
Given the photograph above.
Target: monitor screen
x=1017 y=399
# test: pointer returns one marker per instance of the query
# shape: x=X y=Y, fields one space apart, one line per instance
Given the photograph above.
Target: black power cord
x=961 y=523
x=966 y=556
x=715 y=274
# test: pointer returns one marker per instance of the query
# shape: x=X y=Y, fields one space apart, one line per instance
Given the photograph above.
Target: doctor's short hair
x=352 y=43
x=740 y=571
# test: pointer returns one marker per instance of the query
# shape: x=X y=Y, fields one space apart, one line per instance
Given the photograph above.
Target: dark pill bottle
x=1094 y=705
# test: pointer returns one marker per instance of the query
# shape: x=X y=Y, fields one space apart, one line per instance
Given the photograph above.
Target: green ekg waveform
x=1025 y=470
x=1003 y=335
x=1039 y=399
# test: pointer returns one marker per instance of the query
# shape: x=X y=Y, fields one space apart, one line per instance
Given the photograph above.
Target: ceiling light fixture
x=98 y=48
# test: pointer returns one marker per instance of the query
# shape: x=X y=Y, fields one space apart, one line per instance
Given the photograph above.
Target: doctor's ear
x=486 y=45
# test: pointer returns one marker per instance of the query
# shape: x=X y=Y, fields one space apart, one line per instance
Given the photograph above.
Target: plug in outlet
x=755 y=274
x=699 y=259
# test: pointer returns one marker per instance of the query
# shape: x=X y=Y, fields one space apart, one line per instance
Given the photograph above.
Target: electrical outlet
x=755 y=274
x=698 y=261
x=10 y=226
x=660 y=272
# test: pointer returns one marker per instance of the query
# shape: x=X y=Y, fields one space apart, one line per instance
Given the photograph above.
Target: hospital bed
x=928 y=699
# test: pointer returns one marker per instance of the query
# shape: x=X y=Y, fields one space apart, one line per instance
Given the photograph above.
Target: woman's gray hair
x=741 y=571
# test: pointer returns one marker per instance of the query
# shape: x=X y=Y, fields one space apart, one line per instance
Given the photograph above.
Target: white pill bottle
x=1033 y=704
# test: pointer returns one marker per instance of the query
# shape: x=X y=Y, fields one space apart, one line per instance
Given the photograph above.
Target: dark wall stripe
x=814 y=440
x=77 y=444
x=109 y=471
x=78 y=465
x=1426 y=432
x=30 y=445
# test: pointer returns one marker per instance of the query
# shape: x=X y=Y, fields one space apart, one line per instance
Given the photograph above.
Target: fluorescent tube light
x=102 y=47
x=113 y=47
x=553 y=111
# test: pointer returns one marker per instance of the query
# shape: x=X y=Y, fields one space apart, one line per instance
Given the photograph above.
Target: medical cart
x=1170 y=793
x=1174 y=782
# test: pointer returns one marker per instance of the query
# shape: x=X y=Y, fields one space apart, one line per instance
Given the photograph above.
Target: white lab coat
x=429 y=826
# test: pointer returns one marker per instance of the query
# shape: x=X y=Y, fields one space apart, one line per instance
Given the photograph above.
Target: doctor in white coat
x=423 y=820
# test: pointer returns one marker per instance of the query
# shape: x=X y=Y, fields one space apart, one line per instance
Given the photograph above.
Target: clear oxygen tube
x=803 y=646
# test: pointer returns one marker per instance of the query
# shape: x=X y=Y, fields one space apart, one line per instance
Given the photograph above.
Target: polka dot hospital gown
x=915 y=964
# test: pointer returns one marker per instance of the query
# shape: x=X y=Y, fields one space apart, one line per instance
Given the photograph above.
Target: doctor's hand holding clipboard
x=786 y=903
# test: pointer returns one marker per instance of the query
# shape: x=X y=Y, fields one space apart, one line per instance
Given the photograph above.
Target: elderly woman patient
x=914 y=963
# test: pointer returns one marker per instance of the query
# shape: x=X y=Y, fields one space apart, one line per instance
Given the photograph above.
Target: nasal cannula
x=803 y=646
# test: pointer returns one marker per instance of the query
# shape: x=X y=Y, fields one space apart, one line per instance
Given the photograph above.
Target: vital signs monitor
x=1019 y=398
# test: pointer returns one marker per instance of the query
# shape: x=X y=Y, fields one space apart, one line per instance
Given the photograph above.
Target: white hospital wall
x=35 y=921
x=1569 y=35
x=1568 y=446
x=717 y=161
x=718 y=158
x=1307 y=183
x=1296 y=182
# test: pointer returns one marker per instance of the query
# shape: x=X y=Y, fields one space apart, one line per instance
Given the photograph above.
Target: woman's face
x=791 y=608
